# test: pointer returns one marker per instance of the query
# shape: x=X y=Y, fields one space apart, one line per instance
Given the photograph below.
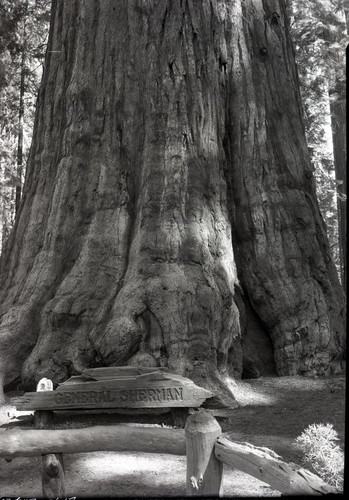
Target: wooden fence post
x=204 y=471
x=52 y=473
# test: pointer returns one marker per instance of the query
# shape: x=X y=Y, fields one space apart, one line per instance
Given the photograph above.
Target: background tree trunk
x=337 y=97
x=166 y=134
x=338 y=125
x=20 y=134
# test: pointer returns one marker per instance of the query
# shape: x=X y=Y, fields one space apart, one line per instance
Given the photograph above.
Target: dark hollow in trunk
x=168 y=164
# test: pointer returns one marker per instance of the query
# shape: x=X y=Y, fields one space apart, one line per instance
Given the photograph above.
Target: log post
x=52 y=473
x=42 y=417
x=179 y=417
x=204 y=471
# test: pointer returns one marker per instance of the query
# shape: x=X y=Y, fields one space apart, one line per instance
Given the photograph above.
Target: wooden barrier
x=206 y=450
x=265 y=465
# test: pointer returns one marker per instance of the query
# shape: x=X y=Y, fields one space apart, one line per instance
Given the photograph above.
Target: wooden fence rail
x=202 y=442
x=263 y=464
x=28 y=443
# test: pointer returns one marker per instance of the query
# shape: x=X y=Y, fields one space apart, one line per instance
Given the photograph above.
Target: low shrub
x=318 y=443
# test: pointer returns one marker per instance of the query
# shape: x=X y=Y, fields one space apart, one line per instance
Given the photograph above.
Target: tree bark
x=168 y=163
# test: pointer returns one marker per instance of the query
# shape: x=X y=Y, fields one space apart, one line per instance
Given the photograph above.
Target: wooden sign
x=118 y=387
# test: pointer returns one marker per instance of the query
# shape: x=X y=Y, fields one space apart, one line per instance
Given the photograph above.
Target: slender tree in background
x=21 y=111
x=169 y=208
x=320 y=33
x=337 y=93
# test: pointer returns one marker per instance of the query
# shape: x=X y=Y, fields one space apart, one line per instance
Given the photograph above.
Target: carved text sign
x=148 y=395
x=118 y=387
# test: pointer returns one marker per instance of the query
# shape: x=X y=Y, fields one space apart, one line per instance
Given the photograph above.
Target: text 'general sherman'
x=126 y=395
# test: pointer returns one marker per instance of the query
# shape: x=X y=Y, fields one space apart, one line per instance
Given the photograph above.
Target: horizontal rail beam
x=28 y=443
x=266 y=466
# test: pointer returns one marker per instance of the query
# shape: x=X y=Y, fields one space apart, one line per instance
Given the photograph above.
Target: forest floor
x=273 y=412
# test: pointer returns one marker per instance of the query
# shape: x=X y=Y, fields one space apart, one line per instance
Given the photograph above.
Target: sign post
x=52 y=473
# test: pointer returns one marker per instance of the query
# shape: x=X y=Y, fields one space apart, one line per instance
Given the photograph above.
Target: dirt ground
x=273 y=412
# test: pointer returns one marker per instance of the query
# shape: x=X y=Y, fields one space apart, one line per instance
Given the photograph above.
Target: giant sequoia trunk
x=168 y=166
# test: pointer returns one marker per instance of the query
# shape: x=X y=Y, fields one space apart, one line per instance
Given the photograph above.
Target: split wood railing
x=201 y=441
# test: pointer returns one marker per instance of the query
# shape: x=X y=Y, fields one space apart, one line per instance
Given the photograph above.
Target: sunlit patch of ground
x=246 y=395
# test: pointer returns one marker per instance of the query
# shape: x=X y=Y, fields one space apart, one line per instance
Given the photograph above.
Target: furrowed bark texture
x=282 y=254
x=168 y=133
